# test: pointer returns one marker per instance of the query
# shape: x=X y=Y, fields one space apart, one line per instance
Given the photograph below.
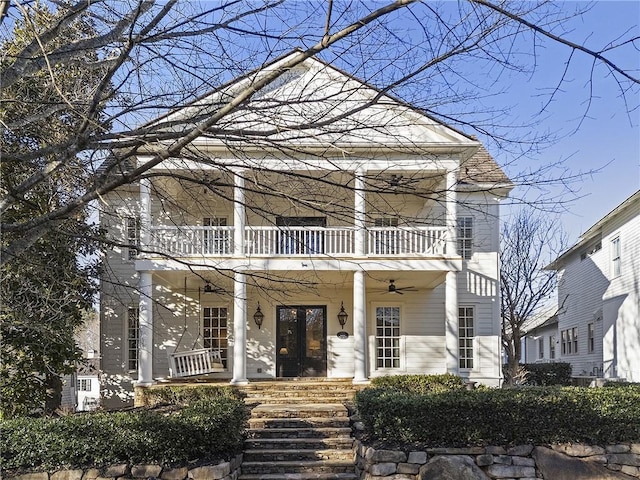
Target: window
x=616 y=266
x=465 y=336
x=552 y=347
x=387 y=238
x=133 y=337
x=569 y=341
x=388 y=337
x=591 y=340
x=300 y=235
x=465 y=237
x=132 y=227
x=541 y=348
x=215 y=240
x=84 y=385
x=214 y=334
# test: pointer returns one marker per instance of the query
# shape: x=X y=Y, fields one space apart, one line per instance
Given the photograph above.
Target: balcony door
x=301 y=346
x=297 y=238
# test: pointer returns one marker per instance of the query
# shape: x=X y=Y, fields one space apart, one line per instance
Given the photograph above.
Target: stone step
x=299 y=466
x=302 y=410
x=297 y=400
x=298 y=443
x=292 y=433
x=298 y=476
x=304 y=391
x=293 y=455
x=298 y=423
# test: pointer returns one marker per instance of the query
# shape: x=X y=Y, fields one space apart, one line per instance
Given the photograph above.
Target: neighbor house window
x=591 y=340
x=84 y=385
x=552 y=347
x=214 y=334
x=616 y=266
x=541 y=348
x=132 y=227
x=465 y=336
x=388 y=337
x=133 y=337
x=569 y=340
x=465 y=237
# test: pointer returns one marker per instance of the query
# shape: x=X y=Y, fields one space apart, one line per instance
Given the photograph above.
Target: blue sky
x=608 y=138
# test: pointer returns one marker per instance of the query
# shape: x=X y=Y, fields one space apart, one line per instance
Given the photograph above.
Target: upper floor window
x=215 y=240
x=83 y=385
x=387 y=239
x=388 y=337
x=465 y=337
x=552 y=347
x=132 y=228
x=465 y=237
x=616 y=261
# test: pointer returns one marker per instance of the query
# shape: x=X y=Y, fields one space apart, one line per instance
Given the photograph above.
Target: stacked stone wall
x=523 y=462
x=222 y=471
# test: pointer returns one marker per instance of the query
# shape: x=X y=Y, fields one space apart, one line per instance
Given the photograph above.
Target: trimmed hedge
x=531 y=415
x=209 y=430
x=547 y=374
x=420 y=383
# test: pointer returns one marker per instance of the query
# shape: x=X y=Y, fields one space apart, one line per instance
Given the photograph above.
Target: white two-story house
x=325 y=229
x=598 y=328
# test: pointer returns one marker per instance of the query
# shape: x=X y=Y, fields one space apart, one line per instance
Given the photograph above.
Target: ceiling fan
x=399 y=290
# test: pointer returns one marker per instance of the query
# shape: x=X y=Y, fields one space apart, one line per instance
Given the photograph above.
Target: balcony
x=190 y=241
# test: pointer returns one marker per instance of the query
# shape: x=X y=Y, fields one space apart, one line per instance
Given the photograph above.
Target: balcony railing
x=181 y=241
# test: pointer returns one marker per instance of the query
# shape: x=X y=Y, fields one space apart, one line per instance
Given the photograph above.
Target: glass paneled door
x=301 y=347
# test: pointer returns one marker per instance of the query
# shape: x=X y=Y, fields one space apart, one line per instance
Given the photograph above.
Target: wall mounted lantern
x=342 y=315
x=258 y=317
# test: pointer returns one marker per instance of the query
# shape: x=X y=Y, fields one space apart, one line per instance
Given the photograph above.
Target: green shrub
x=206 y=430
x=547 y=374
x=420 y=383
x=537 y=415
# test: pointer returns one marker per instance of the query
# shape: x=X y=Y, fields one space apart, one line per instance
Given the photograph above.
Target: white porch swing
x=196 y=361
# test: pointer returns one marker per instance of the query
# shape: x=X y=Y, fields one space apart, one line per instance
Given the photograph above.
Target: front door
x=301 y=347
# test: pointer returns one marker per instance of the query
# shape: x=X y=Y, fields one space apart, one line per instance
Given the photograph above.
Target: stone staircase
x=299 y=430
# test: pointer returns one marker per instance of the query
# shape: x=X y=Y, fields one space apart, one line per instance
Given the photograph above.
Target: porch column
x=145 y=330
x=238 y=213
x=359 y=328
x=451 y=323
x=239 y=330
x=359 y=212
x=451 y=212
x=145 y=215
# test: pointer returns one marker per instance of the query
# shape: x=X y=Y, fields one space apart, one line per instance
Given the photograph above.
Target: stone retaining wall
x=222 y=471
x=525 y=462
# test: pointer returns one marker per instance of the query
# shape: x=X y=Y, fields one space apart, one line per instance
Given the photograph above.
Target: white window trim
x=125 y=337
x=213 y=304
x=461 y=251
x=127 y=250
x=616 y=239
x=474 y=341
x=373 y=352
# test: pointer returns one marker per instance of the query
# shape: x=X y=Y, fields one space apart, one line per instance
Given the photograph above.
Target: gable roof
x=595 y=230
x=316 y=105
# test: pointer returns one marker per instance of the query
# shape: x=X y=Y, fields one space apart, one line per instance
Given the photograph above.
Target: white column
x=359 y=328
x=238 y=213
x=145 y=214
x=451 y=323
x=451 y=212
x=145 y=334
x=359 y=212
x=239 y=330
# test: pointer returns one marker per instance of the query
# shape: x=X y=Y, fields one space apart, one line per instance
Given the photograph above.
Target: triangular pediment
x=315 y=105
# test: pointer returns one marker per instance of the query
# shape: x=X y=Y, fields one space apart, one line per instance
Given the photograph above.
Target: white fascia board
x=256 y=264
